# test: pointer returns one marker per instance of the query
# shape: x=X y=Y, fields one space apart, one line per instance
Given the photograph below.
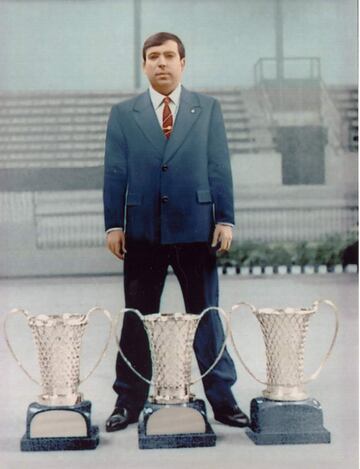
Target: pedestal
x=59 y=428
x=175 y=426
x=286 y=422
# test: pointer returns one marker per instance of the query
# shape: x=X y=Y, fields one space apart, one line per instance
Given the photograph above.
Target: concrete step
x=235 y=115
x=237 y=124
x=232 y=106
x=29 y=112
x=245 y=147
x=350 y=113
x=232 y=98
x=344 y=95
x=62 y=99
x=61 y=161
x=54 y=119
x=50 y=147
x=238 y=133
x=40 y=137
x=241 y=145
x=51 y=128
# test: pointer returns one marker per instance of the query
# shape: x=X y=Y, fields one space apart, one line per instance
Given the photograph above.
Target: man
x=168 y=201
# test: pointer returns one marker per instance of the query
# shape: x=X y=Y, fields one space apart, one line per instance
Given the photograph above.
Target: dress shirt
x=157 y=100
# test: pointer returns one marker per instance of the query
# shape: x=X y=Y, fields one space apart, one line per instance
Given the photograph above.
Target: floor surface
x=336 y=388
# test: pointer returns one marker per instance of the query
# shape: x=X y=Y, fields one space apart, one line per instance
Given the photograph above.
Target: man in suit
x=168 y=201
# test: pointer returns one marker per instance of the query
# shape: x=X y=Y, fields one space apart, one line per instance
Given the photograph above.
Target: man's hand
x=115 y=242
x=222 y=235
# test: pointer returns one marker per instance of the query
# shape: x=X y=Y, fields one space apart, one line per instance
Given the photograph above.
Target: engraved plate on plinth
x=60 y=419
x=285 y=414
x=172 y=417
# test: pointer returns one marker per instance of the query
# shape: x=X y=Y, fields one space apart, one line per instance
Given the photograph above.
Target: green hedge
x=249 y=253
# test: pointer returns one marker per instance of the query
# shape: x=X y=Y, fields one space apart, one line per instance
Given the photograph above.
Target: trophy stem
x=285 y=393
x=60 y=399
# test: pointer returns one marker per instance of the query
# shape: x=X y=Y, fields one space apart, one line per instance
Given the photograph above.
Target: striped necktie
x=167 y=124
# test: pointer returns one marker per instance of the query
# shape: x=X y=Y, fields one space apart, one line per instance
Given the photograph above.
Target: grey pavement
x=336 y=388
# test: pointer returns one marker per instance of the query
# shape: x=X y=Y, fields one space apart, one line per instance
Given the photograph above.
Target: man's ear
x=182 y=61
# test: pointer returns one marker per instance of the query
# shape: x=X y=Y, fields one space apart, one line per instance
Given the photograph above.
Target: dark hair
x=158 y=39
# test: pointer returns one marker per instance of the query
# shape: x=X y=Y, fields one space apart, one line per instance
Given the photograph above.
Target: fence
x=73 y=219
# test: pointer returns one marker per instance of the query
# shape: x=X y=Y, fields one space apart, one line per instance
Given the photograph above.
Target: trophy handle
x=226 y=318
x=27 y=315
x=126 y=360
x=327 y=355
x=108 y=315
x=253 y=310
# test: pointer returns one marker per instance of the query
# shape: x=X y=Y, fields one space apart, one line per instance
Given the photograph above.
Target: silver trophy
x=172 y=416
x=61 y=418
x=287 y=414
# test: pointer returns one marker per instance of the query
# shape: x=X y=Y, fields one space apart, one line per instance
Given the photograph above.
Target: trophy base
x=287 y=422
x=59 y=428
x=175 y=426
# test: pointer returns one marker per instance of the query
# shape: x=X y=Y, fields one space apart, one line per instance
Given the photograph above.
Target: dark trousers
x=145 y=270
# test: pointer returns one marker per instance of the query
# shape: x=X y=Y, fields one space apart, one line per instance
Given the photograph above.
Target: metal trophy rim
x=84 y=318
x=314 y=308
x=159 y=315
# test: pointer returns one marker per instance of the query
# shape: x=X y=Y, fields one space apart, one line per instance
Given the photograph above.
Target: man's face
x=163 y=67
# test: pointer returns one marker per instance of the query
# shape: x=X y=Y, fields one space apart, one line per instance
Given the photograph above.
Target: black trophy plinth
x=175 y=426
x=286 y=422
x=59 y=428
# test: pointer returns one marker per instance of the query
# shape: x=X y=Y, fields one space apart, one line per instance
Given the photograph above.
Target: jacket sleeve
x=219 y=169
x=115 y=172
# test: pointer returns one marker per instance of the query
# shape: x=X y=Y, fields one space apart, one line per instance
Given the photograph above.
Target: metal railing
x=261 y=68
x=331 y=118
x=271 y=89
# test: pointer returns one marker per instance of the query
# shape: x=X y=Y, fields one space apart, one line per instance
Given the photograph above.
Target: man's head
x=163 y=61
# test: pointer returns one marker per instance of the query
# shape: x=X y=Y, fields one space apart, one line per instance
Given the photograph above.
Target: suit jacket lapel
x=146 y=119
x=188 y=113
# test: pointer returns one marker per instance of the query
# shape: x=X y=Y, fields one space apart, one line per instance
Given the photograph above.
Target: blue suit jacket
x=167 y=191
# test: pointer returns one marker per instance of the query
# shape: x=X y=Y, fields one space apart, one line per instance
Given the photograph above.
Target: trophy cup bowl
x=172 y=417
x=285 y=413
x=60 y=419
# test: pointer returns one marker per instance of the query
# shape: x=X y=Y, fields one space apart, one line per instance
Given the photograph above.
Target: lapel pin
x=192 y=110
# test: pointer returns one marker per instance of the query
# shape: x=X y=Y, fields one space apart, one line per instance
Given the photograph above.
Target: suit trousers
x=145 y=270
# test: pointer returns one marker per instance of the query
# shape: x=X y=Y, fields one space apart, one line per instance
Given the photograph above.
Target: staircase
x=56 y=131
x=53 y=131
x=246 y=127
x=345 y=99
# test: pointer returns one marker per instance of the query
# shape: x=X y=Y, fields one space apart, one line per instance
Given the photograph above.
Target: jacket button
x=164 y=167
x=164 y=199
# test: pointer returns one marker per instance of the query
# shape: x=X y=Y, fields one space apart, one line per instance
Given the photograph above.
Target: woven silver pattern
x=58 y=342
x=171 y=338
x=284 y=333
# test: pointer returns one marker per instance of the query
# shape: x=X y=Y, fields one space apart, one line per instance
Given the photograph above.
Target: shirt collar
x=157 y=98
